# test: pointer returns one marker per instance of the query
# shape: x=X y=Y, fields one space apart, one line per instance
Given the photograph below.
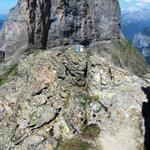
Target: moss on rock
x=73 y=144
x=10 y=71
x=90 y=131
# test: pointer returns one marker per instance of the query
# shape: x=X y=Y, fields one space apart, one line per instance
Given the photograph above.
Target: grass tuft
x=10 y=71
x=130 y=57
x=73 y=144
x=90 y=131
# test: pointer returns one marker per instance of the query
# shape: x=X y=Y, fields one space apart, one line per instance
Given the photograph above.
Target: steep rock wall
x=14 y=34
x=45 y=24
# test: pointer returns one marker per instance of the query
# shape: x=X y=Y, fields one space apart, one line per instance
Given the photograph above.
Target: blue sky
x=5 y=5
x=134 y=4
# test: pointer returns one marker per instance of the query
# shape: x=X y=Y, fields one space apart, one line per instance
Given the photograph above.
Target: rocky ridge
x=53 y=23
x=68 y=95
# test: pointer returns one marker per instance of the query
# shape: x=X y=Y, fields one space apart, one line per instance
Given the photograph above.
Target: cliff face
x=83 y=21
x=50 y=23
x=14 y=35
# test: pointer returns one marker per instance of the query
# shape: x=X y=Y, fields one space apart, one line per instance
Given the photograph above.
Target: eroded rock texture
x=70 y=100
x=50 y=23
x=83 y=21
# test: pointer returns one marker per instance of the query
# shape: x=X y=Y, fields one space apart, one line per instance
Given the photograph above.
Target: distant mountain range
x=142 y=41
x=136 y=27
x=1 y=23
x=2 y=19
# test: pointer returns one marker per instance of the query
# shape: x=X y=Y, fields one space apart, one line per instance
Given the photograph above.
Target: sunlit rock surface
x=69 y=95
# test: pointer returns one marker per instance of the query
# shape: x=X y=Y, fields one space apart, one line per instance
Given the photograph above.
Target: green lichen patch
x=90 y=131
x=84 y=103
x=10 y=71
x=73 y=144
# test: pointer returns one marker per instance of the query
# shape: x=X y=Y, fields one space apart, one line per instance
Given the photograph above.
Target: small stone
x=63 y=94
x=22 y=123
x=39 y=100
x=96 y=106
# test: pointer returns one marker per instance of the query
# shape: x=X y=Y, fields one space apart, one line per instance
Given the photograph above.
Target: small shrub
x=85 y=101
x=74 y=144
x=90 y=53
x=90 y=131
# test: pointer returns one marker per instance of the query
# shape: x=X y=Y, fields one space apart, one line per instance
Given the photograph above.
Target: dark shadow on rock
x=146 y=116
x=2 y=56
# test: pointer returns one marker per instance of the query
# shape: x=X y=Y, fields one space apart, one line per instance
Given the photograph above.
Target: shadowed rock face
x=83 y=21
x=50 y=23
x=39 y=22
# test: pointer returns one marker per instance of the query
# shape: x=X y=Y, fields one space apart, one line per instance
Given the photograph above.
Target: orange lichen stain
x=49 y=147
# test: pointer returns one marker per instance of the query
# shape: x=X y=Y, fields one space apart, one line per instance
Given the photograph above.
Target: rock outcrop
x=14 y=34
x=51 y=23
x=44 y=24
x=70 y=97
x=70 y=100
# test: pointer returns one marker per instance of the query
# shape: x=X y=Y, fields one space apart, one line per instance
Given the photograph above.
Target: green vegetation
x=10 y=71
x=58 y=143
x=28 y=51
x=90 y=52
x=90 y=131
x=85 y=101
x=129 y=57
x=67 y=101
x=73 y=144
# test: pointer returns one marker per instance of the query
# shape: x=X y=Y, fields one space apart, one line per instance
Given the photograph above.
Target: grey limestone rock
x=51 y=23
x=40 y=109
x=14 y=34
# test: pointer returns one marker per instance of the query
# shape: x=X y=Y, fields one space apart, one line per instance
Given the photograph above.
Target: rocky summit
x=67 y=100
x=69 y=80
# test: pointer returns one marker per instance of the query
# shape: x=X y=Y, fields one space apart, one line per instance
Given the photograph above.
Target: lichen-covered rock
x=45 y=106
x=120 y=97
x=75 y=64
